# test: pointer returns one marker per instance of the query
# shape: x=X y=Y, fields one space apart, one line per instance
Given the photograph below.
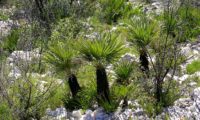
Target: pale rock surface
x=77 y=114
x=129 y=57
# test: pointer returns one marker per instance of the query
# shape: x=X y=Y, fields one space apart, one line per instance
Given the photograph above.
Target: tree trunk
x=40 y=6
x=73 y=84
x=125 y=103
x=158 y=90
x=102 y=84
x=144 y=61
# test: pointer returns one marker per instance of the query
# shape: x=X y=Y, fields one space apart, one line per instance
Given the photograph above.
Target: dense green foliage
x=5 y=112
x=193 y=67
x=123 y=71
x=11 y=41
x=60 y=55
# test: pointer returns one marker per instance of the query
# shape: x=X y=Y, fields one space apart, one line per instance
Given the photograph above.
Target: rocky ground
x=184 y=108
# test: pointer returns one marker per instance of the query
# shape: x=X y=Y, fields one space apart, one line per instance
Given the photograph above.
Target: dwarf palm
x=141 y=31
x=113 y=10
x=62 y=57
x=101 y=52
x=123 y=71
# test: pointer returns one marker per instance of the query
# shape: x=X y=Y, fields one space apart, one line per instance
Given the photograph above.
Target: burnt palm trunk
x=144 y=61
x=125 y=103
x=158 y=90
x=102 y=84
x=40 y=6
x=73 y=84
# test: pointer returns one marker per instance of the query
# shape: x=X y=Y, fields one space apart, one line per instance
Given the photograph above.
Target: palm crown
x=124 y=70
x=141 y=31
x=61 y=56
x=103 y=50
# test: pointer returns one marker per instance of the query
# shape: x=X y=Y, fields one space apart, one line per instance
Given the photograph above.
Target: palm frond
x=123 y=70
x=105 y=49
x=60 y=55
x=141 y=31
x=112 y=10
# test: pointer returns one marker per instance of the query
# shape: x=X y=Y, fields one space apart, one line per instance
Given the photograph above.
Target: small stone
x=77 y=114
x=88 y=115
x=129 y=57
x=195 y=52
x=184 y=102
x=186 y=51
x=192 y=84
x=183 y=78
x=196 y=95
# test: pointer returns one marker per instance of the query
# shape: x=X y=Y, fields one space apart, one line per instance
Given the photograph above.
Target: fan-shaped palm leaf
x=141 y=31
x=123 y=70
x=104 y=50
x=61 y=56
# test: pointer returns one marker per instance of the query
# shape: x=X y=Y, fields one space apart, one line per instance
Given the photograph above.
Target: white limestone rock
x=183 y=78
x=129 y=57
x=88 y=115
x=187 y=51
x=58 y=113
x=77 y=114
x=27 y=56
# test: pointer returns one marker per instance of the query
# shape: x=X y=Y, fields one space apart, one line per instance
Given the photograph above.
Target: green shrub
x=86 y=75
x=152 y=108
x=72 y=103
x=34 y=67
x=182 y=21
x=112 y=10
x=123 y=71
x=171 y=93
x=56 y=97
x=87 y=97
x=67 y=28
x=148 y=100
x=11 y=41
x=83 y=100
x=54 y=10
x=30 y=97
x=109 y=107
x=197 y=80
x=8 y=2
x=193 y=67
x=3 y=17
x=117 y=93
x=189 y=15
x=5 y=111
